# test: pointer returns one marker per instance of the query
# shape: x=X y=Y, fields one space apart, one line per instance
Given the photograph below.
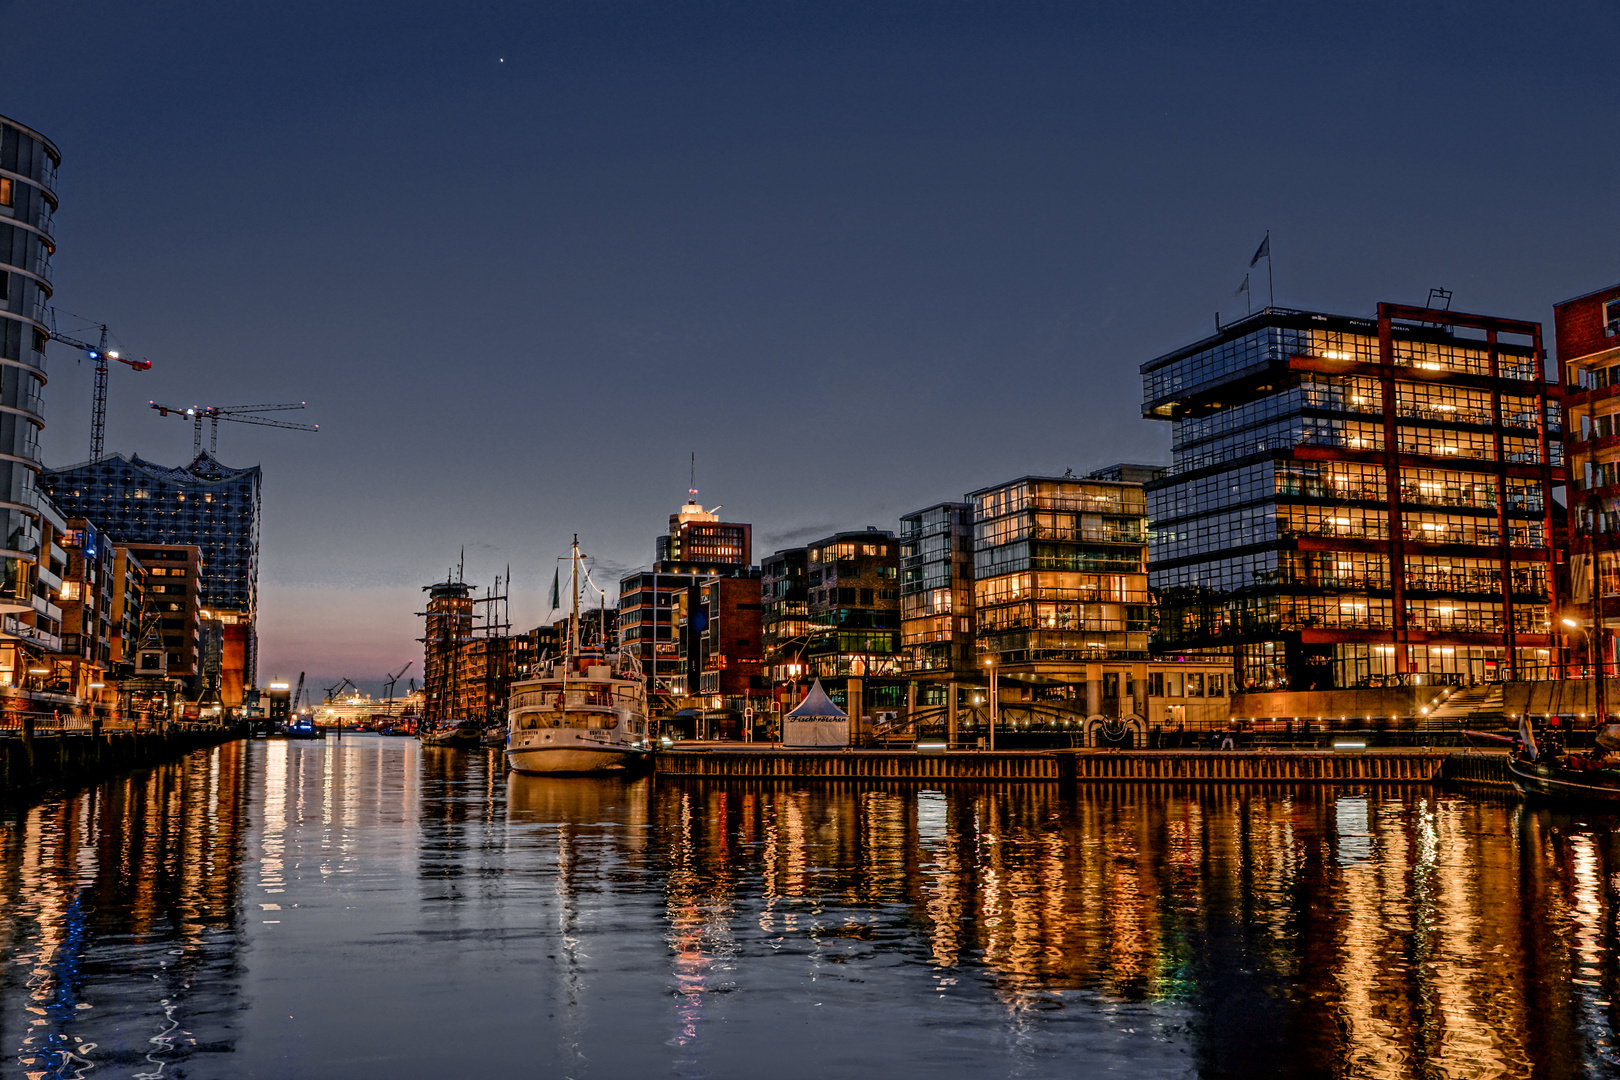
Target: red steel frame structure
x=1393 y=460
x=1412 y=359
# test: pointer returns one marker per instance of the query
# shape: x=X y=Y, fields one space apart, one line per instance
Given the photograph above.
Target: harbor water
x=371 y=908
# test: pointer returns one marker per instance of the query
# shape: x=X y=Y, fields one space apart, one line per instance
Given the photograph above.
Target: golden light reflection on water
x=134 y=884
x=1382 y=933
x=1351 y=933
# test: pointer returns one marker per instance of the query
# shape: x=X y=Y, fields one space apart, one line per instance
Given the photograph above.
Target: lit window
x=1611 y=317
x=6 y=194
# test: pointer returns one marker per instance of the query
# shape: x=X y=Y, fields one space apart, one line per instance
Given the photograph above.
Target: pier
x=31 y=760
x=1420 y=766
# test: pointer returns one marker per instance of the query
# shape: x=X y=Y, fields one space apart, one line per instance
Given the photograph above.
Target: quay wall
x=30 y=761
x=1074 y=766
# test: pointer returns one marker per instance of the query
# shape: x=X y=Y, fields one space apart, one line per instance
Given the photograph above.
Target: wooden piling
x=1069 y=766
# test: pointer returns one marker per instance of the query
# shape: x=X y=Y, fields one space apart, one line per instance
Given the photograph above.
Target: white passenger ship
x=584 y=714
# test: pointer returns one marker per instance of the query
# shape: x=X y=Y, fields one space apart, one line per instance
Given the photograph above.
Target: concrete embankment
x=1074 y=766
x=30 y=761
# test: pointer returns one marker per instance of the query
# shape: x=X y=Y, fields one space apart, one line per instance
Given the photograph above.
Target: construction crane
x=392 y=681
x=100 y=354
x=292 y=710
x=238 y=414
x=333 y=691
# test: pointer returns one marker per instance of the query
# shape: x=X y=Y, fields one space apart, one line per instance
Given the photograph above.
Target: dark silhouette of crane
x=100 y=354
x=292 y=710
x=333 y=691
x=391 y=682
x=237 y=414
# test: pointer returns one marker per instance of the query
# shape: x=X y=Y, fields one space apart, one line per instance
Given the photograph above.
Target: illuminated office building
x=1358 y=501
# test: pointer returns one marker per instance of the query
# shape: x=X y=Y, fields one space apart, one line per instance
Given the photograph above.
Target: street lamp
x=1595 y=662
x=995 y=698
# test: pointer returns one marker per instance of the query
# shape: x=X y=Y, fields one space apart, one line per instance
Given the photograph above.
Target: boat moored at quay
x=583 y=716
x=586 y=713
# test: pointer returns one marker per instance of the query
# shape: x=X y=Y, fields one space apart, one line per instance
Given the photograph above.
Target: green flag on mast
x=556 y=591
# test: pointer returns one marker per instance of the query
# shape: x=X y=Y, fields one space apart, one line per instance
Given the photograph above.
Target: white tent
x=816 y=721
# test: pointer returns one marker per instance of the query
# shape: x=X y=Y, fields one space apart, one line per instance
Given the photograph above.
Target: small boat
x=462 y=733
x=584 y=714
x=1574 y=776
x=1551 y=772
x=303 y=728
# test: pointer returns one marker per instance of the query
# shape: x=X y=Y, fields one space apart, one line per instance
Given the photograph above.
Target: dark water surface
x=368 y=908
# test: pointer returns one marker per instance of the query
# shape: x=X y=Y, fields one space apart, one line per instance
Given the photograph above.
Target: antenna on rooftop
x=692 y=486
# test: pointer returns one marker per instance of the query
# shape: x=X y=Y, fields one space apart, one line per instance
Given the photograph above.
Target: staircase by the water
x=1466 y=704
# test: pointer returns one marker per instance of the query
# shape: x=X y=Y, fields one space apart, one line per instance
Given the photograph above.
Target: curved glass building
x=28 y=164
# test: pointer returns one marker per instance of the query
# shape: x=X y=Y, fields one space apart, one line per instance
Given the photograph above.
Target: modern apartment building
x=698 y=536
x=852 y=582
x=1027 y=605
x=28 y=164
x=659 y=618
x=1358 y=501
x=650 y=604
x=128 y=603
x=31 y=659
x=174 y=596
x=1060 y=572
x=205 y=504
x=88 y=593
x=936 y=596
x=785 y=627
x=1588 y=329
x=726 y=653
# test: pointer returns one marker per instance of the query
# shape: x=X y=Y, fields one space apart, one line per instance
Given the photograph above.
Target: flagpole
x=1271 y=291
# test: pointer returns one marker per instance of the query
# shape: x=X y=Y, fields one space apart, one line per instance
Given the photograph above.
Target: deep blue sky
x=522 y=259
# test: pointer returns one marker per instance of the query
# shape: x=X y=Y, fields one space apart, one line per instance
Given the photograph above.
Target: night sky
x=523 y=259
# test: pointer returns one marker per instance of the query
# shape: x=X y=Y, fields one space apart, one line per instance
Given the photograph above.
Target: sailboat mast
x=573 y=624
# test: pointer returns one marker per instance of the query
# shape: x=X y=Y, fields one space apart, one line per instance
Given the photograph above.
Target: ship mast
x=573 y=624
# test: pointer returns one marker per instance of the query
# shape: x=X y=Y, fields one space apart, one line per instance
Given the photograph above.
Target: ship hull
x=545 y=761
x=462 y=736
x=1552 y=782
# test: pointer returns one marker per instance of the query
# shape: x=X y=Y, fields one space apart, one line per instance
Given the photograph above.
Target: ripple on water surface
x=367 y=907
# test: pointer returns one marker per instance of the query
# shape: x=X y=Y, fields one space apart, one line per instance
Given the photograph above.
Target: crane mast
x=100 y=354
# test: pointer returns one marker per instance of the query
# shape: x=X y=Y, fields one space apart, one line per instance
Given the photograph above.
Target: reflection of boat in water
x=1543 y=768
x=584 y=715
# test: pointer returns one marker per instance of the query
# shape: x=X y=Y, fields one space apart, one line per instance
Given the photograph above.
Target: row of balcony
x=1414 y=494
x=1377 y=529
x=1289 y=443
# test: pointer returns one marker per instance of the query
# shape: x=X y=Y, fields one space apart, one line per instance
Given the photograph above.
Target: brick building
x=1588 y=333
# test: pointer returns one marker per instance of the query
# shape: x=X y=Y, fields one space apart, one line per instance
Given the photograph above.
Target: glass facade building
x=936 y=592
x=1060 y=570
x=28 y=164
x=1354 y=502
